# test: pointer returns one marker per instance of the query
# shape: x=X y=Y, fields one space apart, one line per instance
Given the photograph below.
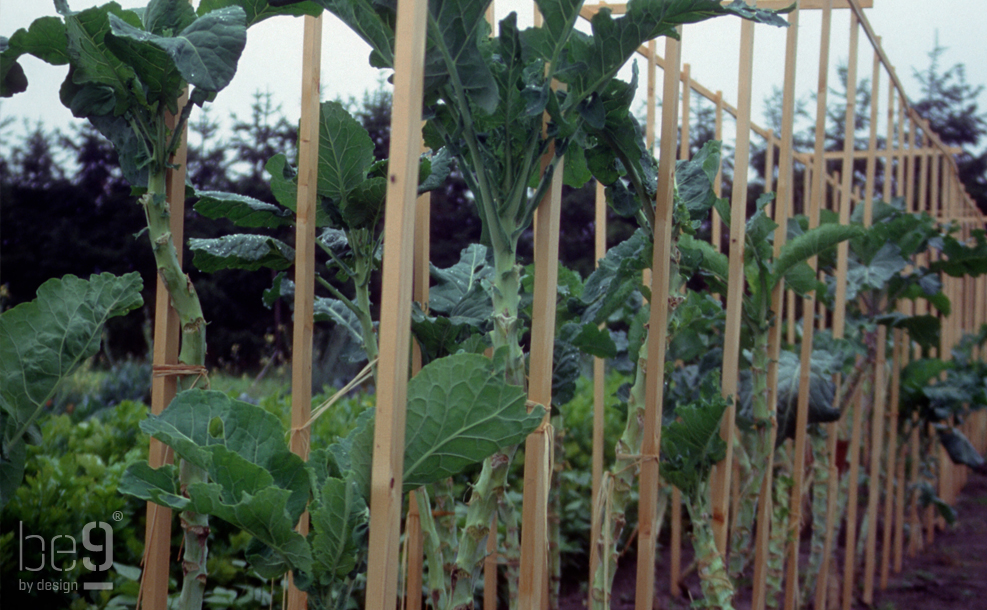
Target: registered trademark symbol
x=117 y=515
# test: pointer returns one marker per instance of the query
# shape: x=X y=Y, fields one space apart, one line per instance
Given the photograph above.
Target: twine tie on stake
x=182 y=370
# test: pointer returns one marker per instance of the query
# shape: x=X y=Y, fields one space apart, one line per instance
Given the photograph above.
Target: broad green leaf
x=284 y=181
x=365 y=204
x=341 y=510
x=617 y=274
x=44 y=341
x=243 y=211
x=802 y=279
x=960 y=449
x=241 y=446
x=927 y=497
x=256 y=11
x=575 y=172
x=714 y=264
x=346 y=152
x=694 y=179
x=45 y=38
x=924 y=329
x=130 y=149
x=263 y=515
x=595 y=341
x=614 y=41
x=325 y=310
x=284 y=186
x=691 y=443
x=361 y=16
x=156 y=70
x=885 y=264
x=439 y=166
x=559 y=18
x=206 y=52
x=460 y=411
x=166 y=17
x=437 y=336
x=12 y=77
x=963 y=258
x=760 y=228
x=566 y=361
x=458 y=290
x=455 y=27
x=250 y=252
x=809 y=244
x=93 y=62
x=822 y=390
x=153 y=485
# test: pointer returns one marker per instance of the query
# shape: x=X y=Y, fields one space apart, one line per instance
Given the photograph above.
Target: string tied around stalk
x=182 y=370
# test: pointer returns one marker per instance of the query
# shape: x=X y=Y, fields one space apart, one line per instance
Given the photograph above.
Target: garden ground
x=950 y=575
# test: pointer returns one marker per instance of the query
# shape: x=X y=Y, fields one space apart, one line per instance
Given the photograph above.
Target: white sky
x=272 y=59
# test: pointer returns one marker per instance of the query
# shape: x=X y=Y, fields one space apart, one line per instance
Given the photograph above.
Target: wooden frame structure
x=922 y=159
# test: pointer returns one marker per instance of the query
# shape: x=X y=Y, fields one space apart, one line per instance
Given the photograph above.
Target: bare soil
x=949 y=575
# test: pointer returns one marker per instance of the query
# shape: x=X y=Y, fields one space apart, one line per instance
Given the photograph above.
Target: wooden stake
x=599 y=387
x=720 y=478
x=839 y=312
x=675 y=550
x=167 y=342
x=306 y=205
x=809 y=307
x=783 y=203
x=538 y=446
x=420 y=283
x=899 y=521
x=395 y=330
x=658 y=326
x=850 y=550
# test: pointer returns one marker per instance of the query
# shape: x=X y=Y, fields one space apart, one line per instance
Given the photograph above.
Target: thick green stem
x=193 y=352
x=362 y=282
x=617 y=493
x=511 y=556
x=489 y=488
x=714 y=579
x=758 y=449
x=432 y=543
x=778 y=540
x=820 y=500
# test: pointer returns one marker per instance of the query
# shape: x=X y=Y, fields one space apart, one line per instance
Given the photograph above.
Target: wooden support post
x=387 y=477
x=675 y=544
x=419 y=287
x=850 y=550
x=783 y=203
x=878 y=427
x=306 y=206
x=167 y=342
x=533 y=591
x=720 y=478
x=599 y=391
x=839 y=312
x=899 y=522
x=809 y=307
x=658 y=326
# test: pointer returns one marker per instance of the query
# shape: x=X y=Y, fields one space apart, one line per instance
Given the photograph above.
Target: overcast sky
x=272 y=59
